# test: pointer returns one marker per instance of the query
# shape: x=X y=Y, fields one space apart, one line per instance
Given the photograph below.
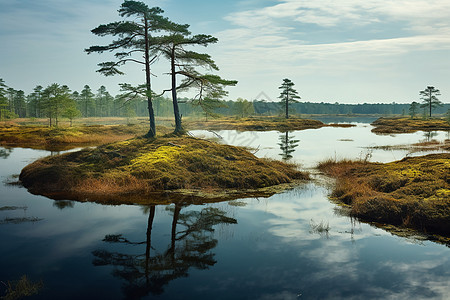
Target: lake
x=293 y=245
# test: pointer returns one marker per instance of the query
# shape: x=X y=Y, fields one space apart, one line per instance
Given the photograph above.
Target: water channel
x=255 y=248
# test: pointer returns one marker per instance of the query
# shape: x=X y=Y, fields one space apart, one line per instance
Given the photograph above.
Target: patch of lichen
x=414 y=192
x=143 y=166
x=408 y=125
x=259 y=124
x=63 y=138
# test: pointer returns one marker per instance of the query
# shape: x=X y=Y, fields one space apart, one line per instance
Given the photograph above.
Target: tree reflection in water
x=190 y=246
x=5 y=152
x=287 y=145
x=429 y=135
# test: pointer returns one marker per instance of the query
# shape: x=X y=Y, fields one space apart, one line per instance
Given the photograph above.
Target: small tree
x=71 y=112
x=86 y=100
x=56 y=99
x=428 y=96
x=243 y=107
x=3 y=100
x=288 y=95
x=413 y=109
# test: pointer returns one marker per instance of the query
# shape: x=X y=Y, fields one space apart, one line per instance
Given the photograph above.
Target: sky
x=346 y=51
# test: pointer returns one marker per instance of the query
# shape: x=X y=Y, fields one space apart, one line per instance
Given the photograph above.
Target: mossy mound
x=256 y=124
x=408 y=125
x=141 y=167
x=63 y=138
x=413 y=192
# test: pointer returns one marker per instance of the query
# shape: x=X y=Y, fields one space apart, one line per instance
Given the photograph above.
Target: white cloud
x=324 y=38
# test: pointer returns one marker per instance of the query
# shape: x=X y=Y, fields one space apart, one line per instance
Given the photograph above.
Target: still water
x=266 y=248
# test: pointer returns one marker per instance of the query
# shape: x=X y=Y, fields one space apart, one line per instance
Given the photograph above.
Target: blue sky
x=347 y=51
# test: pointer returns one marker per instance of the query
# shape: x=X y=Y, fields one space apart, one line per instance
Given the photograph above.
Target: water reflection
x=62 y=204
x=191 y=245
x=5 y=152
x=429 y=135
x=287 y=145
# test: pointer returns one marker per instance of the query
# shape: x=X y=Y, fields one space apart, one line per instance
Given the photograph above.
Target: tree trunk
x=152 y=131
x=430 y=102
x=287 y=105
x=176 y=111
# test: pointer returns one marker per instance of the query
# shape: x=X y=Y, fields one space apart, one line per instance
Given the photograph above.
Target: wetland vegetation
x=413 y=192
x=405 y=125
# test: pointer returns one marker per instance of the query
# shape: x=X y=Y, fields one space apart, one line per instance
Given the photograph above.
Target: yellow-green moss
x=142 y=166
x=413 y=192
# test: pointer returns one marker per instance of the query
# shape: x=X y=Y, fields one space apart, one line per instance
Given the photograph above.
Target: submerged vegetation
x=408 y=125
x=413 y=192
x=125 y=171
x=21 y=288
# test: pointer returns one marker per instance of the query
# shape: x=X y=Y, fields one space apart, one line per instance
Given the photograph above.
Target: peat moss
x=408 y=125
x=413 y=192
x=260 y=124
x=62 y=138
x=137 y=167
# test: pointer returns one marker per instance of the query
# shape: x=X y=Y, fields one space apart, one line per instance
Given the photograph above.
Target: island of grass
x=260 y=124
x=145 y=171
x=413 y=192
x=63 y=138
x=408 y=125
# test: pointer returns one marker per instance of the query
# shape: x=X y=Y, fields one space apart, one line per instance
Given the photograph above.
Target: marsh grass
x=142 y=166
x=322 y=228
x=21 y=288
x=413 y=192
x=408 y=125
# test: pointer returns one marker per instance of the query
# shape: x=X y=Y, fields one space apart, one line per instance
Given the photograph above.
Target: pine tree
x=86 y=100
x=288 y=95
x=3 y=99
x=134 y=44
x=413 y=109
x=56 y=99
x=428 y=96
x=183 y=62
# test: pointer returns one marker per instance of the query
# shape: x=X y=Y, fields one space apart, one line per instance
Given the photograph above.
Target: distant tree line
x=59 y=101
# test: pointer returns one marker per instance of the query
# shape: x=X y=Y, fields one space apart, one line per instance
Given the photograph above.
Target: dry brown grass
x=413 y=192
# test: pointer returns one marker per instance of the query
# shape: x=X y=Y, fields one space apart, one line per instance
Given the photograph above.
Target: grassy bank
x=61 y=138
x=125 y=171
x=259 y=124
x=408 y=125
x=413 y=192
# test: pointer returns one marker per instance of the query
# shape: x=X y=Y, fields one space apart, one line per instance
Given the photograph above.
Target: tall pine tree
x=134 y=44
x=429 y=98
x=288 y=95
